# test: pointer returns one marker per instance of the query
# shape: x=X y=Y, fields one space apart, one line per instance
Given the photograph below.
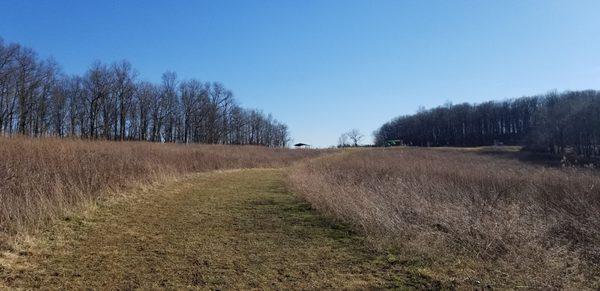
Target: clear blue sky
x=324 y=67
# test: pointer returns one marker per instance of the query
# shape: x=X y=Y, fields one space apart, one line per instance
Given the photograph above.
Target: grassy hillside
x=41 y=178
x=466 y=216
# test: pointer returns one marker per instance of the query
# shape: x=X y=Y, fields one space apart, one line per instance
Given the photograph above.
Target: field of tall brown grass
x=466 y=217
x=41 y=178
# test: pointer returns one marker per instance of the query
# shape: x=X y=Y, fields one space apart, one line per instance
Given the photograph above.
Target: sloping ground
x=231 y=230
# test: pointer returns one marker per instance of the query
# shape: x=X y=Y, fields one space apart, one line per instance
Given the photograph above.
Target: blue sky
x=324 y=67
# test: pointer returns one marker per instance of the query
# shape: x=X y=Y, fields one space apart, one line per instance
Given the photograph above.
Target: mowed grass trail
x=226 y=230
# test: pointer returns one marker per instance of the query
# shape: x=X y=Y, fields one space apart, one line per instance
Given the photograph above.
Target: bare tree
x=59 y=107
x=147 y=95
x=124 y=89
x=169 y=103
x=354 y=136
x=97 y=84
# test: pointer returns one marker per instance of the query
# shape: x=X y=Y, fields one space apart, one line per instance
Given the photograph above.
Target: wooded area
x=109 y=102
x=555 y=122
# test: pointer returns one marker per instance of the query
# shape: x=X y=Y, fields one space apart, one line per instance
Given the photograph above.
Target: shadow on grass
x=301 y=220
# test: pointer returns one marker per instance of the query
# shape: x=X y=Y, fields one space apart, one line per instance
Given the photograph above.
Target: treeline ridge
x=557 y=123
x=109 y=102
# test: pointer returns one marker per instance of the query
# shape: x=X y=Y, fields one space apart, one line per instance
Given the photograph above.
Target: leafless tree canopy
x=109 y=102
x=554 y=123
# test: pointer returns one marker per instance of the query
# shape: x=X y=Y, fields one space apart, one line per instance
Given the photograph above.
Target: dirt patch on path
x=231 y=230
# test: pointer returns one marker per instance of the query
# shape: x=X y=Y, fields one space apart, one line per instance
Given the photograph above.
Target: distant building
x=302 y=145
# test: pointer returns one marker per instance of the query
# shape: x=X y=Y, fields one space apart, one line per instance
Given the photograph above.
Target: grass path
x=225 y=230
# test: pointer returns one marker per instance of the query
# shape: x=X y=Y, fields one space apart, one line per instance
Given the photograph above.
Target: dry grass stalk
x=41 y=178
x=468 y=215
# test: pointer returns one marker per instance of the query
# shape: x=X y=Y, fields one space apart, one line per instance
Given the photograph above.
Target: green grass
x=233 y=229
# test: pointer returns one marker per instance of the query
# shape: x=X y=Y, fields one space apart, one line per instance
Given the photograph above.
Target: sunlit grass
x=472 y=216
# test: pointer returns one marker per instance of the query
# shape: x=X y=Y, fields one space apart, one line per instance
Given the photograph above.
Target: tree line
x=555 y=123
x=109 y=102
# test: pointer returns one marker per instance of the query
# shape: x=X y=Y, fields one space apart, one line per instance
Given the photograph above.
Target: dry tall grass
x=467 y=217
x=40 y=178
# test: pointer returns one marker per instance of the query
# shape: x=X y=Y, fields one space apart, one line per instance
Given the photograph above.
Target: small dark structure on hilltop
x=302 y=145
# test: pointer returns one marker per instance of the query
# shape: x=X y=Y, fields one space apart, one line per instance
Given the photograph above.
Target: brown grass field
x=465 y=216
x=42 y=178
x=385 y=218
